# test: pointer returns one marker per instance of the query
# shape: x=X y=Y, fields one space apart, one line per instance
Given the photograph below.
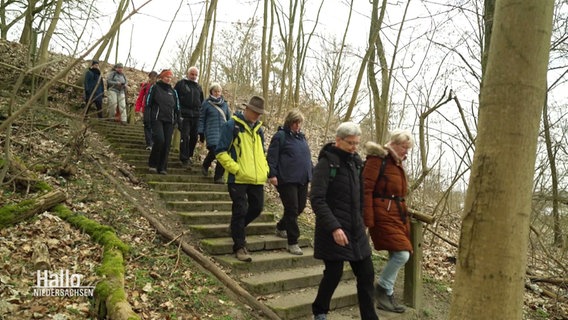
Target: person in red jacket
x=384 y=210
x=141 y=104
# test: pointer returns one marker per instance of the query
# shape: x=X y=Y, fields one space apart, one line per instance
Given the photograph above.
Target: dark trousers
x=147 y=133
x=293 y=196
x=364 y=274
x=248 y=202
x=99 y=105
x=162 y=138
x=188 y=138
x=219 y=170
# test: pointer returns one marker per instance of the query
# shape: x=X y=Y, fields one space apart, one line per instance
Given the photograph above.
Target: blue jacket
x=241 y=151
x=289 y=157
x=211 y=120
x=92 y=83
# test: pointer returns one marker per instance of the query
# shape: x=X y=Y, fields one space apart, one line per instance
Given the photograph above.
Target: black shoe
x=184 y=162
x=164 y=172
x=204 y=171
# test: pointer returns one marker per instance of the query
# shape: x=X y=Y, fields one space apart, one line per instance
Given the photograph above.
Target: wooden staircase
x=286 y=283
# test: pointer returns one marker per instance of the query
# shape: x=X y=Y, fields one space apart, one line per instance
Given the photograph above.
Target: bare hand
x=273 y=181
x=339 y=237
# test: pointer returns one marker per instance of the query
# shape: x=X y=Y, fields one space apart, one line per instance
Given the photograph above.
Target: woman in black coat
x=162 y=112
x=336 y=198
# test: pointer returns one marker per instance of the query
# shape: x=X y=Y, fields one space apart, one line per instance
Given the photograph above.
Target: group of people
x=348 y=196
x=183 y=105
x=117 y=84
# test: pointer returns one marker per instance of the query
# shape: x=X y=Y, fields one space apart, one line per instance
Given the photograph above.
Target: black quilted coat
x=336 y=199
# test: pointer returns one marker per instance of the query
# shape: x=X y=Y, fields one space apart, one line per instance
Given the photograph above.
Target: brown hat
x=256 y=104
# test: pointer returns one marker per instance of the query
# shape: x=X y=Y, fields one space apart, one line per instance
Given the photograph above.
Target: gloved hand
x=201 y=137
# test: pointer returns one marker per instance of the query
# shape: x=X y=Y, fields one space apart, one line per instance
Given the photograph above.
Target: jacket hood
x=375 y=149
x=334 y=154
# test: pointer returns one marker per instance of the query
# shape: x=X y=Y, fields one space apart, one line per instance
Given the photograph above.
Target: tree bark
x=40 y=256
x=490 y=274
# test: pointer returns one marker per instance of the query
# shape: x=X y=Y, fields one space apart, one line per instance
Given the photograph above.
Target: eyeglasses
x=351 y=143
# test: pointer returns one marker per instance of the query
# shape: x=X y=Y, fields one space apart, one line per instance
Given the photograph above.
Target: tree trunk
x=492 y=259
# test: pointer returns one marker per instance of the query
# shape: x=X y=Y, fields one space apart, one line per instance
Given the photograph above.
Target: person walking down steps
x=162 y=112
x=141 y=106
x=214 y=113
x=117 y=85
x=290 y=163
x=190 y=96
x=386 y=216
x=337 y=200
x=241 y=152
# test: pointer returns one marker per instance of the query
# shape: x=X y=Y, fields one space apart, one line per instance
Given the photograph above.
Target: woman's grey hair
x=294 y=116
x=214 y=86
x=347 y=129
x=399 y=136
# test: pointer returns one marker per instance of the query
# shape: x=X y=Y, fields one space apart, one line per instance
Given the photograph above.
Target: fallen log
x=110 y=296
x=192 y=252
x=16 y=213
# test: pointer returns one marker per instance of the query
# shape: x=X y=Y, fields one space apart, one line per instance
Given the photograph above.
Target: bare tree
x=492 y=258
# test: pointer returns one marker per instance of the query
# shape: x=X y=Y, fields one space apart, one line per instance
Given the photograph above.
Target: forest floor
x=161 y=281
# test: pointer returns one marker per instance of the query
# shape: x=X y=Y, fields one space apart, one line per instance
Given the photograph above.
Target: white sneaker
x=281 y=233
x=295 y=249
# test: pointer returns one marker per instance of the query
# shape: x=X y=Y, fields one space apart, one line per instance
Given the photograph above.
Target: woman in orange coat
x=384 y=209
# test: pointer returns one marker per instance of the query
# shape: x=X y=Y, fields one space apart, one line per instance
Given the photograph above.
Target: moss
x=102 y=234
x=42 y=186
x=9 y=213
x=110 y=290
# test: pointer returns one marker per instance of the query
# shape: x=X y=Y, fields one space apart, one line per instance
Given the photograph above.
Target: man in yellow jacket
x=240 y=151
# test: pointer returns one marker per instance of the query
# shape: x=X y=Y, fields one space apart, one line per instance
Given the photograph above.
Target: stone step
x=296 y=304
x=199 y=205
x=220 y=217
x=221 y=246
x=138 y=150
x=194 y=195
x=171 y=170
x=188 y=177
x=172 y=157
x=187 y=186
x=285 y=280
x=263 y=261
x=222 y=230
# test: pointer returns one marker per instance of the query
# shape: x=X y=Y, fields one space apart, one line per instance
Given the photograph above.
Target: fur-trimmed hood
x=375 y=149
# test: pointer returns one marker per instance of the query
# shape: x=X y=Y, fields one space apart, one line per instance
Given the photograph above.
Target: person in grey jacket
x=214 y=113
x=117 y=85
x=337 y=200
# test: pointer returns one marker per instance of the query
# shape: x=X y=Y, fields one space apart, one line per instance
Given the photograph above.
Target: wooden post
x=413 y=290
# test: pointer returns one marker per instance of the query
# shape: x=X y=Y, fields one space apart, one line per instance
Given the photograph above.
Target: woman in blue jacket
x=214 y=113
x=290 y=165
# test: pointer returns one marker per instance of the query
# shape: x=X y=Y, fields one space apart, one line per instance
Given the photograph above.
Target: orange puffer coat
x=384 y=208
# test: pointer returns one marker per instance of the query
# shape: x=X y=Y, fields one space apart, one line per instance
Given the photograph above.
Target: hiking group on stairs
x=347 y=195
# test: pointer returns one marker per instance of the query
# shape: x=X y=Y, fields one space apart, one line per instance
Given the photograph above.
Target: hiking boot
x=219 y=181
x=386 y=302
x=243 y=255
x=152 y=170
x=281 y=233
x=164 y=172
x=320 y=317
x=295 y=249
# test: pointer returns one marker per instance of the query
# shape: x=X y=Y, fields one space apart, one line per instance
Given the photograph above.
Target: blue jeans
x=397 y=259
